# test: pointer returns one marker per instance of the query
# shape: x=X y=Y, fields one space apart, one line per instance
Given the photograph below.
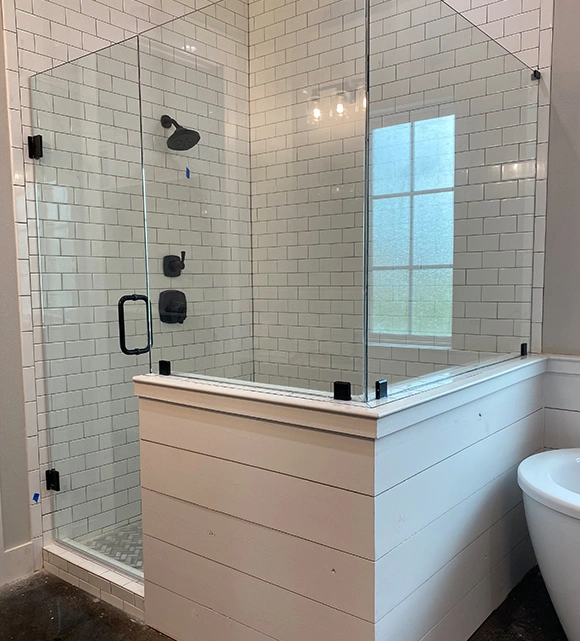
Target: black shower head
x=181 y=139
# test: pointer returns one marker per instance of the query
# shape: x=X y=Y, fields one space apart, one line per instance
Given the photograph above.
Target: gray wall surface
x=562 y=289
x=14 y=516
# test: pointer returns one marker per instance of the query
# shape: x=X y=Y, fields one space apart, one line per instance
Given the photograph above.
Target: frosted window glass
x=391 y=160
x=390 y=297
x=433 y=229
x=391 y=235
x=434 y=154
x=431 y=307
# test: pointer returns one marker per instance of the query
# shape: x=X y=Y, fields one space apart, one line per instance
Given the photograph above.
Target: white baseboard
x=17 y=563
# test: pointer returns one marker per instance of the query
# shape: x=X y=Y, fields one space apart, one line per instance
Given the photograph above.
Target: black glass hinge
x=342 y=391
x=381 y=389
x=524 y=349
x=35 y=147
x=165 y=368
x=52 y=480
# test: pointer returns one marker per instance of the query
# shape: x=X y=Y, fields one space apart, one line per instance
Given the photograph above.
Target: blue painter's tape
x=187 y=172
x=35 y=497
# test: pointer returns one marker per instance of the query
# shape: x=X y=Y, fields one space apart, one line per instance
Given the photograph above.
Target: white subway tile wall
x=41 y=33
x=196 y=70
x=429 y=62
x=307 y=191
x=92 y=243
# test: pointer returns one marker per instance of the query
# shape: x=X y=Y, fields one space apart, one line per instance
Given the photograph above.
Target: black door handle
x=122 y=338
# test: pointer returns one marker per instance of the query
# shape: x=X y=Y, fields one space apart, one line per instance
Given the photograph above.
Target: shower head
x=181 y=139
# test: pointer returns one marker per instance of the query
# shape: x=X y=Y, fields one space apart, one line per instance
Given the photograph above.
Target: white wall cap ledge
x=558 y=364
x=355 y=418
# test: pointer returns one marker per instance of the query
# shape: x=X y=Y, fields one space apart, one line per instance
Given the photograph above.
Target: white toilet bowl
x=551 y=485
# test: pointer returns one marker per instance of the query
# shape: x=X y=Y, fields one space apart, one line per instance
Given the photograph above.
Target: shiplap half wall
x=260 y=528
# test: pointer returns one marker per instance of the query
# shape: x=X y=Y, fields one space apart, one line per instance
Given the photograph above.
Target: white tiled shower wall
x=427 y=62
x=307 y=176
x=105 y=442
x=39 y=34
x=92 y=243
x=307 y=188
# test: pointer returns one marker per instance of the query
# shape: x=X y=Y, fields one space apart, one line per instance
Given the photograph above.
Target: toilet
x=550 y=482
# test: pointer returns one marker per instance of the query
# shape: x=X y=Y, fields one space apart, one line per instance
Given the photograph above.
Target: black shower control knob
x=172 y=306
x=173 y=265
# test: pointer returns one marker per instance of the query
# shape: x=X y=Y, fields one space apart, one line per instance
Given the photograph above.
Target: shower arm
x=167 y=122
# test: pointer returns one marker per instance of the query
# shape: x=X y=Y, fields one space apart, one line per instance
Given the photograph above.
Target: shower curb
x=114 y=588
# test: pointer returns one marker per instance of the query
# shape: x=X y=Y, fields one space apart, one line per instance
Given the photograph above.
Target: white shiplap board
x=466 y=617
x=325 y=457
x=434 y=599
x=185 y=620
x=562 y=413
x=407 y=452
x=257 y=510
x=337 y=518
x=442 y=486
x=276 y=612
x=335 y=578
x=436 y=544
x=562 y=428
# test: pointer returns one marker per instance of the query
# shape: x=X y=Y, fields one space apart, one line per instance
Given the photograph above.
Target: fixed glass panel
x=434 y=154
x=89 y=204
x=197 y=185
x=431 y=305
x=390 y=308
x=453 y=129
x=273 y=284
x=391 y=166
x=433 y=227
x=392 y=249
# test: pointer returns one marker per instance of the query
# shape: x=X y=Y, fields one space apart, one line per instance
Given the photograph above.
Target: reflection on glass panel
x=431 y=307
x=434 y=154
x=433 y=217
x=391 y=232
x=391 y=160
x=390 y=300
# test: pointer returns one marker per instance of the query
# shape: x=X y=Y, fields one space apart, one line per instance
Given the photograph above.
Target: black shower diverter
x=172 y=306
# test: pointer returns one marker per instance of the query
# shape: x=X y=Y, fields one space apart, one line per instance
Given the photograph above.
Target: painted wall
x=562 y=382
x=15 y=546
x=562 y=296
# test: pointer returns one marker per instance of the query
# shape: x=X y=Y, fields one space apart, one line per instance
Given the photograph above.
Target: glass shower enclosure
x=359 y=207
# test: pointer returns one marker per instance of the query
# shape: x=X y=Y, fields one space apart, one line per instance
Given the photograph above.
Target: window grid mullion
x=411 y=204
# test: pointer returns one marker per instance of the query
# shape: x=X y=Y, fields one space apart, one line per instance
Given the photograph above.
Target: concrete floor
x=44 y=608
x=526 y=615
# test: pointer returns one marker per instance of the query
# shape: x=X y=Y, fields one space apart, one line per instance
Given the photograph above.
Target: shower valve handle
x=177 y=264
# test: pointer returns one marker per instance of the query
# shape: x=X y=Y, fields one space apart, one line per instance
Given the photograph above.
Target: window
x=412 y=216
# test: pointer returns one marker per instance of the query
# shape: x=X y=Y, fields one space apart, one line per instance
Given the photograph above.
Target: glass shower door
x=96 y=316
